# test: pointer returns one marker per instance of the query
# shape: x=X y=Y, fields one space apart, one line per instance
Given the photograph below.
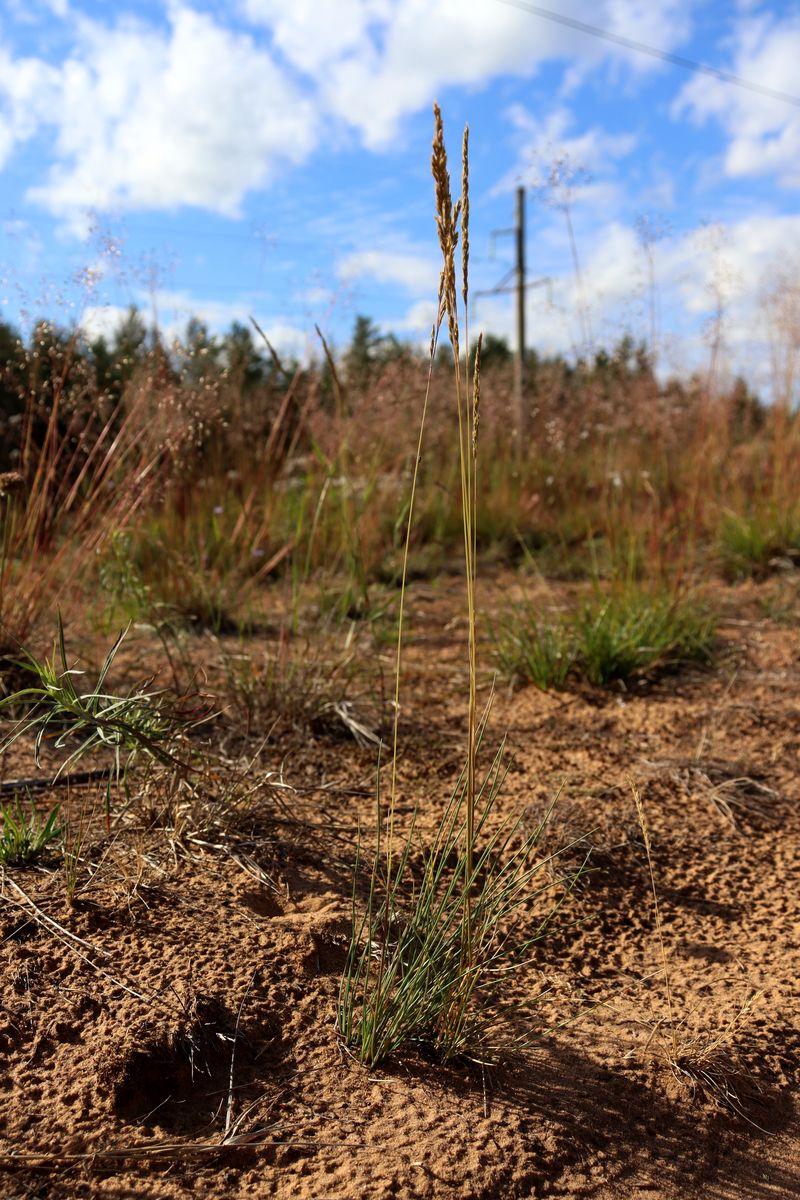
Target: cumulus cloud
x=103 y=320
x=30 y=11
x=413 y=272
x=543 y=140
x=145 y=118
x=424 y=48
x=763 y=134
x=193 y=112
x=28 y=92
x=736 y=271
x=418 y=320
x=384 y=59
x=312 y=35
x=663 y=24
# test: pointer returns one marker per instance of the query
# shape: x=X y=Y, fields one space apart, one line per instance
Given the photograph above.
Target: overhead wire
x=676 y=60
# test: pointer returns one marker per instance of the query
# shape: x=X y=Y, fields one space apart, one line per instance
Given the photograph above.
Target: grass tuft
x=138 y=722
x=634 y=632
x=758 y=543
x=25 y=836
x=531 y=650
x=407 y=981
x=613 y=638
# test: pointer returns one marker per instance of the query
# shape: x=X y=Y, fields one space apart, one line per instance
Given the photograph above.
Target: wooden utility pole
x=521 y=414
x=514 y=281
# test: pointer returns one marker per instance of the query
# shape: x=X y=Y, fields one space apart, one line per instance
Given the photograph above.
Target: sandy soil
x=191 y=987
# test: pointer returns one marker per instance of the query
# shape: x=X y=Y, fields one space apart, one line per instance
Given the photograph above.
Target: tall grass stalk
x=447 y=221
x=430 y=953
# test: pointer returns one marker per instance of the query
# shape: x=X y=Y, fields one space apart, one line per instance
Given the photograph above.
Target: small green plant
x=531 y=650
x=635 y=631
x=120 y=582
x=407 y=980
x=145 y=579
x=629 y=632
x=25 y=836
x=137 y=722
x=754 y=544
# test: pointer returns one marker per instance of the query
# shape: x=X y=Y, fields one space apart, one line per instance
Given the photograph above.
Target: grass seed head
x=11 y=483
x=447 y=217
x=476 y=396
x=465 y=216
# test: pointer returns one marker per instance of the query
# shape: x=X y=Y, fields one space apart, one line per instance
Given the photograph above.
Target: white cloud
x=664 y=24
x=311 y=34
x=414 y=272
x=398 y=64
x=192 y=112
x=176 y=308
x=542 y=141
x=103 y=320
x=26 y=10
x=763 y=134
x=289 y=340
x=418 y=319
x=728 y=265
x=194 y=115
x=28 y=91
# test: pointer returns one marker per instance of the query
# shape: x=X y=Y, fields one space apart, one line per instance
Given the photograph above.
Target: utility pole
x=521 y=414
x=519 y=286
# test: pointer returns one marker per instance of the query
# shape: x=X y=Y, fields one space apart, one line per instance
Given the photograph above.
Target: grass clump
x=531 y=650
x=25 y=836
x=293 y=685
x=634 y=632
x=756 y=543
x=85 y=721
x=610 y=638
x=410 y=979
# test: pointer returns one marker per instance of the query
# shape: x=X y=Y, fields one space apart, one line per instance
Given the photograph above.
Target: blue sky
x=272 y=158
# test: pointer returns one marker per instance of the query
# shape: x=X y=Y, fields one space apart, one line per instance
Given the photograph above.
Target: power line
x=676 y=60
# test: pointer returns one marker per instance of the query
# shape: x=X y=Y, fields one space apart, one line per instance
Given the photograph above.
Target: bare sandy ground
x=190 y=991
